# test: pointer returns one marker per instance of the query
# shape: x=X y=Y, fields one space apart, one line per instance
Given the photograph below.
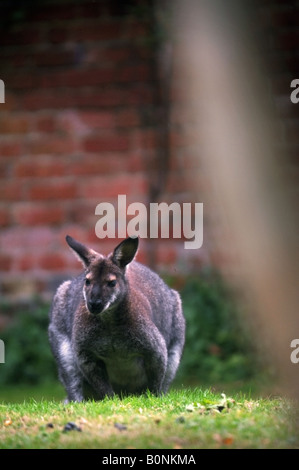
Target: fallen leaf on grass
x=70 y=426
x=83 y=421
x=177 y=446
x=250 y=405
x=224 y=404
x=120 y=427
x=213 y=411
x=216 y=408
x=190 y=408
x=213 y=408
x=180 y=419
x=227 y=440
x=195 y=407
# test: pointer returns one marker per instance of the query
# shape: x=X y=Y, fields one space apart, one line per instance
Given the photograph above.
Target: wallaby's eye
x=112 y=283
x=87 y=281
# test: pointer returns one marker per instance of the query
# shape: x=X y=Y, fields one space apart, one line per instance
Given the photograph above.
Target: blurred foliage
x=28 y=359
x=217 y=348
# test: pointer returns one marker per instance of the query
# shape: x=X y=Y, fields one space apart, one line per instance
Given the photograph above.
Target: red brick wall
x=280 y=22
x=85 y=119
x=80 y=125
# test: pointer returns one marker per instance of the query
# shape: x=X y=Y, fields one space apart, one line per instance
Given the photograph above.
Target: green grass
x=183 y=419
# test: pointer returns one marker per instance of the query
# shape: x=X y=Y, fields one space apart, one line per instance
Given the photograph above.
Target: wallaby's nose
x=95 y=306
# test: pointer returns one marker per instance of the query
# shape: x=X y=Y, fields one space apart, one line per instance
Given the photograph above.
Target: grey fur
x=121 y=331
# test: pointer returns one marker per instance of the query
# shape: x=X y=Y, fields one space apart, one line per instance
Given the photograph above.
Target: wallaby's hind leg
x=174 y=357
x=68 y=372
x=176 y=346
x=73 y=386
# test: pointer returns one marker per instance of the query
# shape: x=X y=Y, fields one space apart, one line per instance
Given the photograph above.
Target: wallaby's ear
x=85 y=255
x=125 y=252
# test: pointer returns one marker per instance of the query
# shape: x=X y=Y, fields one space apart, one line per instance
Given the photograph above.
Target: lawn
x=183 y=419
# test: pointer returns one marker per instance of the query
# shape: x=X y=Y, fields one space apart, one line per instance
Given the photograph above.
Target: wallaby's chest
x=114 y=348
x=126 y=372
x=124 y=363
x=122 y=353
x=107 y=340
x=104 y=340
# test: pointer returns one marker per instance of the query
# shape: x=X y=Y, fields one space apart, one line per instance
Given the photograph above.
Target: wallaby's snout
x=117 y=327
x=99 y=295
x=95 y=306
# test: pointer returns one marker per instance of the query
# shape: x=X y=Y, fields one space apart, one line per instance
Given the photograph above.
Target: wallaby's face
x=105 y=282
x=104 y=286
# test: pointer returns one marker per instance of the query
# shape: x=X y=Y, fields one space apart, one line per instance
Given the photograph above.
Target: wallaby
x=116 y=328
